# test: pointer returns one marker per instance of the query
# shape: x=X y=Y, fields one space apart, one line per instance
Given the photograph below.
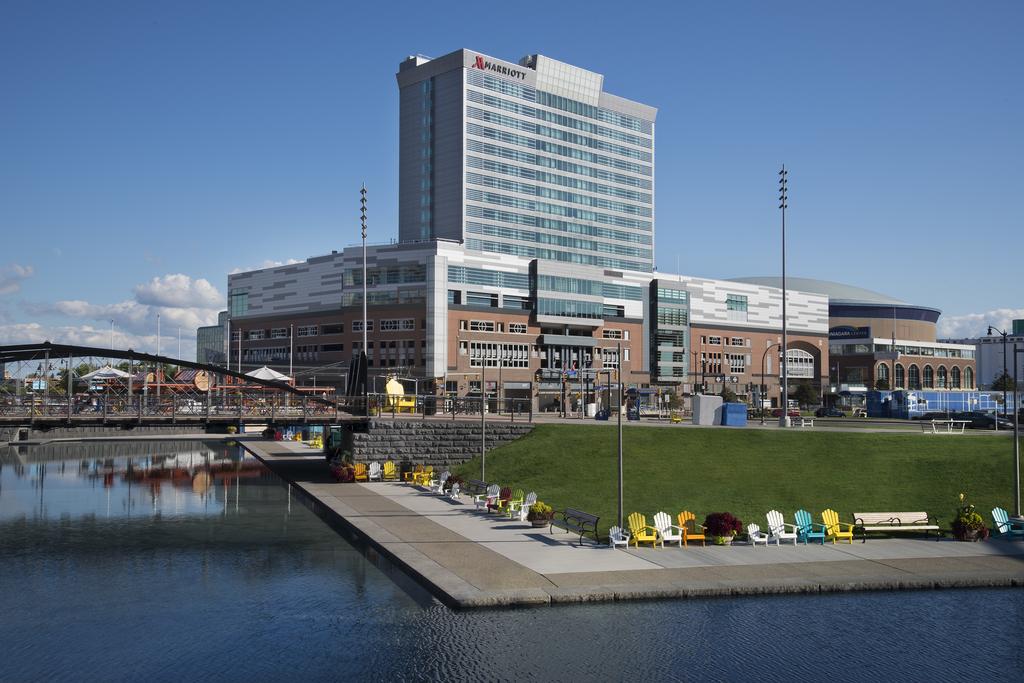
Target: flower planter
x=967 y=535
x=722 y=540
x=539 y=523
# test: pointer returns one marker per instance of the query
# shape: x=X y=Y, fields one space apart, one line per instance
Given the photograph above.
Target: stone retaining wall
x=431 y=443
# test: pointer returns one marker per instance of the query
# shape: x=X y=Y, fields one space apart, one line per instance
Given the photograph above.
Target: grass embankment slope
x=748 y=472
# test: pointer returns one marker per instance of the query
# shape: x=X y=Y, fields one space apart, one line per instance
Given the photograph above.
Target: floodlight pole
x=784 y=419
x=1016 y=433
x=619 y=352
x=362 y=220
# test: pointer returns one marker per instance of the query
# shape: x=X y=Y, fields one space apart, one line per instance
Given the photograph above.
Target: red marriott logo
x=481 y=63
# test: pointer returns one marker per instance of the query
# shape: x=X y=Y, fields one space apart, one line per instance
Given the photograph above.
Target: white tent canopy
x=266 y=373
x=105 y=373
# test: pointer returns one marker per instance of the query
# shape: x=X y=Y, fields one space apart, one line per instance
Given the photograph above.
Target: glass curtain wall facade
x=532 y=160
x=670 y=331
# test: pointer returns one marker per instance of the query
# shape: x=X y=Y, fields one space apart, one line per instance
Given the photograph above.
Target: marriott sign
x=481 y=63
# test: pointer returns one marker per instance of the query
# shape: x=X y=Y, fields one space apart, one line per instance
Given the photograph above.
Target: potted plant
x=968 y=525
x=540 y=514
x=722 y=527
x=451 y=481
x=342 y=469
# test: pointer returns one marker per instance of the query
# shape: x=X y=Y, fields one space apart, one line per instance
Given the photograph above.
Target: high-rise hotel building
x=526 y=226
x=531 y=159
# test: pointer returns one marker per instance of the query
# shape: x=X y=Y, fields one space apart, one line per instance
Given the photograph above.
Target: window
x=519 y=303
x=900 y=381
x=736 y=341
x=613 y=311
x=236 y=335
x=672 y=294
x=968 y=378
x=279 y=333
x=482 y=299
x=570 y=308
x=454 y=297
x=914 y=378
x=942 y=377
x=609 y=358
x=357 y=326
x=337 y=328
x=481 y=326
x=736 y=307
x=517 y=328
x=929 y=377
x=882 y=373
x=737 y=362
x=238 y=304
x=799 y=364
x=954 y=375
x=611 y=334
x=715 y=341
x=671 y=316
x=333 y=347
x=255 y=334
x=395 y=325
x=307 y=330
x=499 y=355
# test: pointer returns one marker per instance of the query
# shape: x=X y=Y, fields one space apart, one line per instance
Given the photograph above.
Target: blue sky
x=151 y=148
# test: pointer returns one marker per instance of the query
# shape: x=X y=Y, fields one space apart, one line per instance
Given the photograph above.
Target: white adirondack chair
x=482 y=499
x=617 y=537
x=777 y=528
x=667 y=530
x=374 y=474
x=437 y=485
x=524 y=509
x=454 y=493
x=755 y=535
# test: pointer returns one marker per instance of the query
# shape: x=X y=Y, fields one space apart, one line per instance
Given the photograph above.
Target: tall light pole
x=784 y=419
x=111 y=334
x=618 y=347
x=158 y=361
x=362 y=221
x=1016 y=433
x=1006 y=376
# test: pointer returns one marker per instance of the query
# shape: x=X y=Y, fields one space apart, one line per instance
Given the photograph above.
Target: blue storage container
x=734 y=414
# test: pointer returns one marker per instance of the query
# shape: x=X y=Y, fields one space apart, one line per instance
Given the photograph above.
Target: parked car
x=829 y=412
x=979 y=420
x=793 y=412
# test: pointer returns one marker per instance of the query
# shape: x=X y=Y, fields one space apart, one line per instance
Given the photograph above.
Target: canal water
x=190 y=561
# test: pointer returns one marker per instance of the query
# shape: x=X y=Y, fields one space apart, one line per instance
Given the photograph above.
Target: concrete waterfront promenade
x=467 y=558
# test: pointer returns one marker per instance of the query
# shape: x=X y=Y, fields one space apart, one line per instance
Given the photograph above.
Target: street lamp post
x=362 y=220
x=1016 y=433
x=764 y=386
x=619 y=351
x=784 y=419
x=1006 y=376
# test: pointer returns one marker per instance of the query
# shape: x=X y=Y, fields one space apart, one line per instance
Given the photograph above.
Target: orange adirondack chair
x=691 y=530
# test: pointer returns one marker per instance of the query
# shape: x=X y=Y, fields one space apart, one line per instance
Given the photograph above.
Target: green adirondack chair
x=805 y=527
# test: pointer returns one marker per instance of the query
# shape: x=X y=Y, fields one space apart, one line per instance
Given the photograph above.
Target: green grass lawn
x=748 y=472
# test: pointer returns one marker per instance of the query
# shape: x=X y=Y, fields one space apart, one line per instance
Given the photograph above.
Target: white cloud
x=12 y=275
x=178 y=291
x=976 y=324
x=181 y=302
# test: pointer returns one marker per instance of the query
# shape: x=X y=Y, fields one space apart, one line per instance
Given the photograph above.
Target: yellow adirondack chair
x=415 y=475
x=834 y=528
x=390 y=473
x=361 y=474
x=639 y=531
x=691 y=530
x=424 y=476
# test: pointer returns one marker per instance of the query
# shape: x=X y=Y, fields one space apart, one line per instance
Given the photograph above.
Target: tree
x=1004 y=382
x=804 y=394
x=728 y=395
x=882 y=385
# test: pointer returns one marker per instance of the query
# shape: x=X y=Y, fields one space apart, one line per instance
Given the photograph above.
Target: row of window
x=672 y=316
x=556 y=255
x=555 y=179
x=904 y=349
x=672 y=294
x=558 y=240
x=556 y=224
x=385 y=298
x=557 y=149
x=557 y=119
x=571 y=285
x=386 y=325
x=546 y=99
x=491 y=149
x=558 y=195
x=494 y=278
x=912 y=378
x=390 y=275
x=713 y=340
x=557 y=210
x=494 y=355
x=556 y=134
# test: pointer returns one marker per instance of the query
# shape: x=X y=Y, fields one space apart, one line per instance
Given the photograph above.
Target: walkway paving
x=468 y=558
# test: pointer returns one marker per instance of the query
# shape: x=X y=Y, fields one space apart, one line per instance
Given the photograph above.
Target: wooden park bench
x=575 y=521
x=474 y=486
x=894 y=521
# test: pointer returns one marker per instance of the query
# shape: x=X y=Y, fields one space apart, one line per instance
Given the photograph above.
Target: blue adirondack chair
x=1004 y=526
x=806 y=528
